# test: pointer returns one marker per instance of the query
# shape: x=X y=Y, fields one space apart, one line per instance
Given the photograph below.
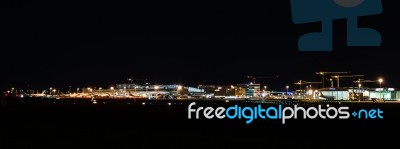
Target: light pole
x=155 y=89
x=380 y=80
x=287 y=89
x=146 y=90
x=70 y=89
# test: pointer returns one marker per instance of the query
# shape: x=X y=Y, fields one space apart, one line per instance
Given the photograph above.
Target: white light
x=143 y=103
x=100 y=88
x=310 y=92
x=380 y=80
x=179 y=87
x=169 y=103
x=156 y=87
x=112 y=88
x=287 y=87
x=327 y=105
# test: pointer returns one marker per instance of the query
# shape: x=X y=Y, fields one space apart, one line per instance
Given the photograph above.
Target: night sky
x=98 y=43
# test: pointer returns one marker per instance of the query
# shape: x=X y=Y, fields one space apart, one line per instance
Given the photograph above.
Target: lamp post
x=155 y=89
x=380 y=80
x=146 y=90
x=287 y=89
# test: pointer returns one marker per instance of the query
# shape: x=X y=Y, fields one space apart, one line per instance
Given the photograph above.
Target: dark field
x=38 y=123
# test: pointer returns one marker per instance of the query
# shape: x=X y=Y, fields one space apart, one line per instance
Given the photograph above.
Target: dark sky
x=100 y=43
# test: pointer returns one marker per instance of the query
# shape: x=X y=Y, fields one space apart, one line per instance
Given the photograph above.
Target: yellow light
x=156 y=87
x=112 y=88
x=380 y=80
x=179 y=87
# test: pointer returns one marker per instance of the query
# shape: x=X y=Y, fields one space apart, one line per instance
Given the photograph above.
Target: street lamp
x=146 y=90
x=155 y=89
x=50 y=90
x=287 y=89
x=380 y=80
x=359 y=85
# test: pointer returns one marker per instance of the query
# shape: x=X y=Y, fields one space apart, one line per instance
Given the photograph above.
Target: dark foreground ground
x=36 y=123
